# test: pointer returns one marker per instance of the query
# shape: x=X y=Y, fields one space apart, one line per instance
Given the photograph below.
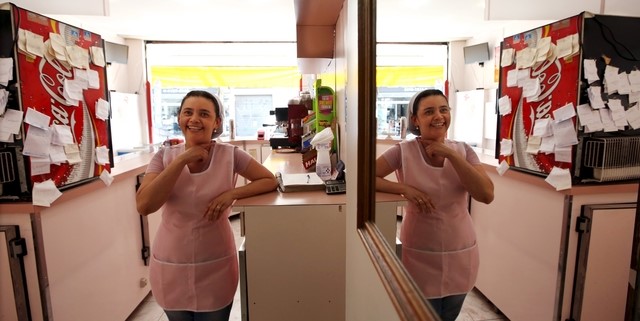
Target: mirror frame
x=403 y=292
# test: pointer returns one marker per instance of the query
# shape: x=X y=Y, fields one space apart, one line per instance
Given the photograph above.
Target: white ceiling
x=259 y=20
x=274 y=20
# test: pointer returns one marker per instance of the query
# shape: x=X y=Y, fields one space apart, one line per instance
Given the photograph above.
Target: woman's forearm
x=258 y=186
x=155 y=188
x=474 y=179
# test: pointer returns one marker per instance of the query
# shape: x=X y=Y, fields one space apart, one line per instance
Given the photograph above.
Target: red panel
x=41 y=88
x=559 y=81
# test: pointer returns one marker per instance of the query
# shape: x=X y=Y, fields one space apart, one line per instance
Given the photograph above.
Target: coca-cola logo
x=549 y=73
x=54 y=86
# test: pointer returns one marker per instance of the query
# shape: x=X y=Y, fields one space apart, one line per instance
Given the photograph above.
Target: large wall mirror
x=403 y=292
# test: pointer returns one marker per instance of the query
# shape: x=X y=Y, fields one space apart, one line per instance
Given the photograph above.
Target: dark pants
x=448 y=307
x=220 y=315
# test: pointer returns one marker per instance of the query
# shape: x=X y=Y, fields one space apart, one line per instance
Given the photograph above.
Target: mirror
x=407 y=299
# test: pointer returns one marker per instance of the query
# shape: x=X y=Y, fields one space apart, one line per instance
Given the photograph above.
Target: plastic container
x=232 y=129
x=323 y=162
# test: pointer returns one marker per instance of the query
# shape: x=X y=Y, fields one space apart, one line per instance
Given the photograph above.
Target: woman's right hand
x=419 y=198
x=195 y=153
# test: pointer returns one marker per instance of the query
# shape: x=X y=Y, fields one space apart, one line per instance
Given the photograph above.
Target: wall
x=131 y=78
x=366 y=297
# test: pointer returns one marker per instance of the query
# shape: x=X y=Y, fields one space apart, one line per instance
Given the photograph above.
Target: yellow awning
x=235 y=77
x=409 y=76
x=282 y=77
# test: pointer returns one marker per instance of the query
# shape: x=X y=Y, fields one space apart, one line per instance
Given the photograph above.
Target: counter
x=530 y=254
x=83 y=257
x=295 y=247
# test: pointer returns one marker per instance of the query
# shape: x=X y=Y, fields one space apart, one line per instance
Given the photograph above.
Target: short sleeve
x=156 y=165
x=393 y=156
x=241 y=159
x=472 y=157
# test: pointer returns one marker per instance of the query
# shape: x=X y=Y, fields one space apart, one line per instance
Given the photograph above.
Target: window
x=251 y=80
x=403 y=70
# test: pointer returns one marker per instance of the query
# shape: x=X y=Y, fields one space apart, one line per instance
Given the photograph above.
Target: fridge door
x=556 y=79
x=61 y=76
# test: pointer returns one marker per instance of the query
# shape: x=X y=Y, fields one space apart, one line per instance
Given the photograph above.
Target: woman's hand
x=419 y=198
x=435 y=149
x=195 y=154
x=218 y=206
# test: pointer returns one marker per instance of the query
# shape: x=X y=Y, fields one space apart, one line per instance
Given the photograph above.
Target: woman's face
x=198 y=120
x=433 y=117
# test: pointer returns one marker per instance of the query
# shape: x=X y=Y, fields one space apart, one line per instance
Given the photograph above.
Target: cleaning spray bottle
x=322 y=142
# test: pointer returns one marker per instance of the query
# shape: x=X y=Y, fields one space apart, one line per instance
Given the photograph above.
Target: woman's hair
x=413 y=106
x=216 y=104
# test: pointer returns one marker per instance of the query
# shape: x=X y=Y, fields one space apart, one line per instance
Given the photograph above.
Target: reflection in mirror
x=435 y=175
x=403 y=292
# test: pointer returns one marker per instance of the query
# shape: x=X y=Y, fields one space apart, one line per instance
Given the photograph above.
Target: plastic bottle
x=232 y=129
x=323 y=162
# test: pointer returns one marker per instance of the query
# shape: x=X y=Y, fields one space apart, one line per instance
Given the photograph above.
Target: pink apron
x=194 y=262
x=439 y=248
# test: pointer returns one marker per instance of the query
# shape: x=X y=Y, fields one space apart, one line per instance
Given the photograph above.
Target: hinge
x=18 y=247
x=145 y=255
x=583 y=224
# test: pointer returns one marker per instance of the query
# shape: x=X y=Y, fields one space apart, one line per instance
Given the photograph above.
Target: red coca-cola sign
x=41 y=81
x=559 y=85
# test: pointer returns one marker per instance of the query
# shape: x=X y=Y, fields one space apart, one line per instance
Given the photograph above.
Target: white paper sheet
x=504 y=105
x=36 y=118
x=97 y=56
x=45 y=193
x=633 y=117
x=61 y=135
x=595 y=97
x=564 y=133
x=559 y=178
x=102 y=109
x=502 y=167
x=106 y=177
x=590 y=70
x=506 y=147
x=11 y=121
x=565 y=112
x=38 y=142
x=542 y=127
x=102 y=155
x=73 y=153
x=40 y=165
x=6 y=70
x=507 y=57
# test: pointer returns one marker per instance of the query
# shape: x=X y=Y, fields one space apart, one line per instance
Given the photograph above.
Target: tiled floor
x=476 y=307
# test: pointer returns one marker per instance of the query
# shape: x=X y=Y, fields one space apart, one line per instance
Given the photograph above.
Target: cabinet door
x=295 y=262
x=254 y=150
x=265 y=151
x=604 y=257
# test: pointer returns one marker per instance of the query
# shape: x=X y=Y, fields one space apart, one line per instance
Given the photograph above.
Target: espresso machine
x=288 y=132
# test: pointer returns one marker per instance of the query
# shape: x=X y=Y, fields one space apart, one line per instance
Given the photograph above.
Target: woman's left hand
x=218 y=206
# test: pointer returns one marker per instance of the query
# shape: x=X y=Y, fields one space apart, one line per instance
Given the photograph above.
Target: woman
x=436 y=176
x=193 y=269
